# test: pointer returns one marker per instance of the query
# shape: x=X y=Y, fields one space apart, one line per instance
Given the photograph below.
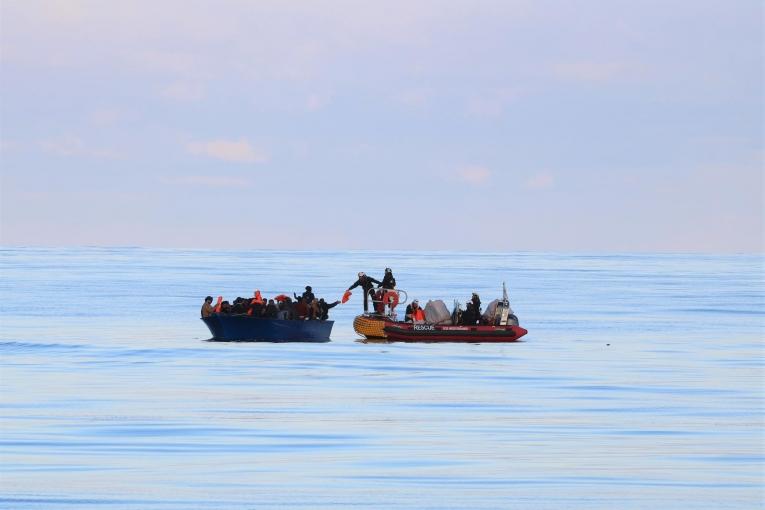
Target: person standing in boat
x=308 y=296
x=388 y=282
x=207 y=307
x=367 y=283
x=469 y=315
x=476 y=304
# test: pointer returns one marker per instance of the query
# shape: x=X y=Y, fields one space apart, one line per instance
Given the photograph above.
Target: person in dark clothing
x=271 y=310
x=389 y=282
x=225 y=308
x=307 y=295
x=469 y=317
x=324 y=308
x=367 y=284
x=255 y=309
x=240 y=306
x=476 y=305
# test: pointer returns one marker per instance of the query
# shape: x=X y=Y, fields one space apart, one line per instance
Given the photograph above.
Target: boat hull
x=370 y=326
x=407 y=332
x=246 y=328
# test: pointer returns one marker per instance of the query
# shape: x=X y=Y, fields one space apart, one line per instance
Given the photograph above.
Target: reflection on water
x=639 y=385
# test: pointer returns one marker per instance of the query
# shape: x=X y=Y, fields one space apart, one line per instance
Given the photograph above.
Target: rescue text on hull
x=408 y=332
x=227 y=328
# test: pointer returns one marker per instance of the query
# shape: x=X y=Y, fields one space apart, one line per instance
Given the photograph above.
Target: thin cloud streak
x=474 y=175
x=235 y=151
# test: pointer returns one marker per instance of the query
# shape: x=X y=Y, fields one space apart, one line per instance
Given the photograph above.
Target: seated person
x=301 y=309
x=414 y=313
x=207 y=307
x=271 y=310
x=240 y=306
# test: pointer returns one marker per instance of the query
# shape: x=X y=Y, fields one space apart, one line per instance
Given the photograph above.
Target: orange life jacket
x=258 y=298
x=254 y=301
x=218 y=304
x=418 y=315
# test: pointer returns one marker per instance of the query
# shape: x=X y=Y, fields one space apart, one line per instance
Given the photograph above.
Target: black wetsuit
x=388 y=281
x=469 y=315
x=367 y=283
x=476 y=305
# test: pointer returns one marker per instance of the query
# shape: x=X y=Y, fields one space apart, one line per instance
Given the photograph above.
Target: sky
x=549 y=125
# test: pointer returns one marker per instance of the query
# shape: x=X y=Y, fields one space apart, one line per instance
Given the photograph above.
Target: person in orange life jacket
x=388 y=281
x=367 y=284
x=207 y=307
x=414 y=312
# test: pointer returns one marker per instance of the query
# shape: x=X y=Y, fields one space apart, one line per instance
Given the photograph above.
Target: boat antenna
x=504 y=294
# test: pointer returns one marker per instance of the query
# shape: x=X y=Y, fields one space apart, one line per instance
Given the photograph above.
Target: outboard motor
x=457 y=313
x=503 y=313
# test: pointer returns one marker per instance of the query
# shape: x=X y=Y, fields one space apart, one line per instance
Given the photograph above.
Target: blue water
x=639 y=386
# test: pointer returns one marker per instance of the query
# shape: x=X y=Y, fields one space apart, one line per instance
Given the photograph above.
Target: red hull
x=408 y=332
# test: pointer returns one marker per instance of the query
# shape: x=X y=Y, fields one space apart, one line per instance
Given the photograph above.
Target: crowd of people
x=303 y=307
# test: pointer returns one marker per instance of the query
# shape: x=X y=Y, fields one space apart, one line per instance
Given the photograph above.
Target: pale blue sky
x=509 y=125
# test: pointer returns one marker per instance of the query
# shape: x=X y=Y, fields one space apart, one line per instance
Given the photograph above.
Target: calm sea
x=639 y=386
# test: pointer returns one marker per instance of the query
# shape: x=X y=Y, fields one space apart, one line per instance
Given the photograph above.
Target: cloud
x=214 y=181
x=238 y=151
x=74 y=146
x=474 y=175
x=540 y=181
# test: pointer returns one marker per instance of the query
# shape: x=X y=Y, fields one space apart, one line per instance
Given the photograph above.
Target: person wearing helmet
x=366 y=283
x=388 y=282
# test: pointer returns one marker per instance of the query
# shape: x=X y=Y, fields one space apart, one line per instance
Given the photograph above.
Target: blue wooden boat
x=228 y=328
